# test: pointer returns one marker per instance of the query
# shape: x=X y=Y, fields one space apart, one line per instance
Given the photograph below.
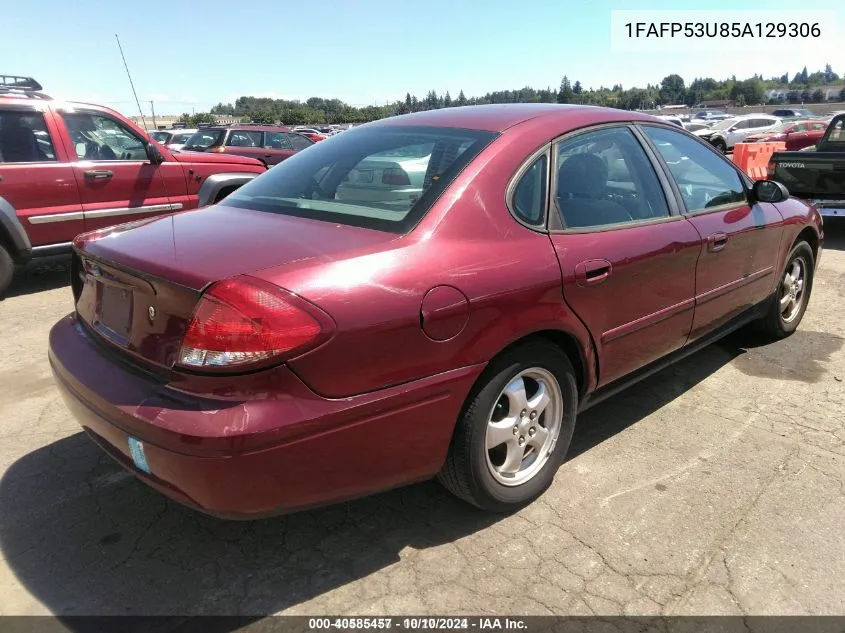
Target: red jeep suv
x=68 y=168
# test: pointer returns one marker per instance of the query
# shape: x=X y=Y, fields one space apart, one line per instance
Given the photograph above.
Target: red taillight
x=246 y=322
x=395 y=176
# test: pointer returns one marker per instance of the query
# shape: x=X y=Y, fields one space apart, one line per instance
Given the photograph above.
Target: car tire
x=790 y=299
x=489 y=478
x=720 y=145
x=7 y=269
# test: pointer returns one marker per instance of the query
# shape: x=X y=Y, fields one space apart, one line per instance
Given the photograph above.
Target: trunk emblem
x=152 y=312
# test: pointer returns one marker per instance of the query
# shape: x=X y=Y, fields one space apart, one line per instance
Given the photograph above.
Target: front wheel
x=792 y=295
x=720 y=145
x=515 y=429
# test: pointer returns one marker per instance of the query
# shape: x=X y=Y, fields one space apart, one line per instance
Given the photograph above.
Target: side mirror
x=153 y=154
x=769 y=191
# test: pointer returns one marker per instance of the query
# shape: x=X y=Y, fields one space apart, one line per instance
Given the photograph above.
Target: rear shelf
x=144 y=316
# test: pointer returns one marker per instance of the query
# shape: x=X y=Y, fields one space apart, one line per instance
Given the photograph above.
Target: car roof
x=500 y=117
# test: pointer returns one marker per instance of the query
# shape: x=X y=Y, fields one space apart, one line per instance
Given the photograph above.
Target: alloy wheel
x=523 y=427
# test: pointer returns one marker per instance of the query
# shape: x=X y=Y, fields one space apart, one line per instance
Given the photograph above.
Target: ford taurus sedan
x=290 y=347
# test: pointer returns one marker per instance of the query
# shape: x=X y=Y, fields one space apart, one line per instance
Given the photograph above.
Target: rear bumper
x=829 y=208
x=286 y=450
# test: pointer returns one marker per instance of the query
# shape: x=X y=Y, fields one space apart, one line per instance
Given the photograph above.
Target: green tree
x=672 y=89
x=462 y=100
x=818 y=96
x=263 y=116
x=842 y=94
x=565 y=94
x=577 y=88
x=447 y=100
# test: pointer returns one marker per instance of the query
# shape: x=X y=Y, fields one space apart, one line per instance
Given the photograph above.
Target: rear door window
x=24 y=137
x=276 y=140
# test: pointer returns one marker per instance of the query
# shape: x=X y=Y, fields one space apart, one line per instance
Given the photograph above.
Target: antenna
x=130 y=80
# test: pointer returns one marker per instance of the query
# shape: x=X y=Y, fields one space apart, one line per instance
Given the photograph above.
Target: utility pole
x=153 y=108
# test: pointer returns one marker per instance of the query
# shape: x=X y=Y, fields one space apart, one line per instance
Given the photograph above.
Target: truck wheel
x=792 y=295
x=515 y=429
x=720 y=145
x=7 y=269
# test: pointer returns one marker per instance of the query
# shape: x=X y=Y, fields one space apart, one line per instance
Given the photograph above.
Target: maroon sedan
x=433 y=295
x=794 y=134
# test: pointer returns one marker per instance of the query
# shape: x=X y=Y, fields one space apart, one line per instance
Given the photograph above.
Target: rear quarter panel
x=799 y=218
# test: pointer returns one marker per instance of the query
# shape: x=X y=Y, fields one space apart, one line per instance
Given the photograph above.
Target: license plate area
x=114 y=312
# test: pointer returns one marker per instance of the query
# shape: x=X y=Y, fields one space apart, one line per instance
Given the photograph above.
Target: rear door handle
x=98 y=174
x=717 y=242
x=592 y=272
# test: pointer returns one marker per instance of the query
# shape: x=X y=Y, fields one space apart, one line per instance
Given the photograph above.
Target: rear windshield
x=205 y=139
x=384 y=177
x=161 y=137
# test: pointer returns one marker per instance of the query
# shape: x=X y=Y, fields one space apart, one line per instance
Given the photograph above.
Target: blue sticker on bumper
x=136 y=447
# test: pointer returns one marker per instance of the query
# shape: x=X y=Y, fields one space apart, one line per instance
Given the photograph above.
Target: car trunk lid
x=137 y=288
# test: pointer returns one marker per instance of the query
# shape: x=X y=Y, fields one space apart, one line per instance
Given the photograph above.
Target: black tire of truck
x=7 y=269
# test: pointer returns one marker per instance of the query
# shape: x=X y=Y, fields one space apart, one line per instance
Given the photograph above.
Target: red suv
x=67 y=168
x=270 y=144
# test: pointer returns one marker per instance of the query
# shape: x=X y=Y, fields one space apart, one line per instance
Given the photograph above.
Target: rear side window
x=299 y=142
x=819 y=126
x=801 y=127
x=706 y=180
x=241 y=138
x=529 y=195
x=384 y=178
x=24 y=138
x=161 y=137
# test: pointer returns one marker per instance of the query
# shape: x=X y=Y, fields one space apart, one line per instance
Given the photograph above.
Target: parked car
x=712 y=115
x=66 y=168
x=174 y=140
x=795 y=134
x=723 y=135
x=311 y=134
x=695 y=126
x=285 y=349
x=270 y=144
x=794 y=113
x=675 y=120
x=816 y=173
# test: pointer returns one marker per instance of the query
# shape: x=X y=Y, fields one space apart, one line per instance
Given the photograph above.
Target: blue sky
x=188 y=55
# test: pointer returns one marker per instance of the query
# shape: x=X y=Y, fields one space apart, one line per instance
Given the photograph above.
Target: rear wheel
x=515 y=429
x=7 y=269
x=792 y=295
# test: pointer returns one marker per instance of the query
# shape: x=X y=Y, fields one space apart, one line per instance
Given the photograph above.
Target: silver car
x=723 y=135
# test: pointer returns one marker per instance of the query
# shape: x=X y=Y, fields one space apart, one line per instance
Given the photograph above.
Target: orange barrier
x=752 y=158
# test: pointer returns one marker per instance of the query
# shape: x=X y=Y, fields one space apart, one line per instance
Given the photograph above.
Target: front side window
x=242 y=138
x=375 y=178
x=205 y=139
x=161 y=137
x=529 y=195
x=706 y=180
x=24 y=138
x=801 y=127
x=605 y=178
x=98 y=137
